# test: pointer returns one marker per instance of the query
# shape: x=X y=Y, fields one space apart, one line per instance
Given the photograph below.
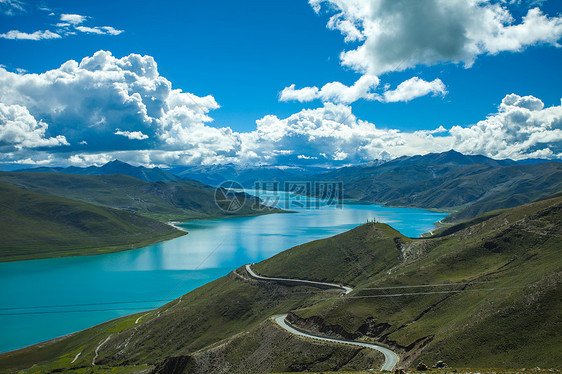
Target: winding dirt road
x=298 y=281
x=390 y=358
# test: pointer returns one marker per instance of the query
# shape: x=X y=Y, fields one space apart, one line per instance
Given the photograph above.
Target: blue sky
x=244 y=54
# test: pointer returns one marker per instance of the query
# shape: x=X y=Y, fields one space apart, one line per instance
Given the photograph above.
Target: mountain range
x=449 y=181
x=112 y=167
x=212 y=175
x=246 y=176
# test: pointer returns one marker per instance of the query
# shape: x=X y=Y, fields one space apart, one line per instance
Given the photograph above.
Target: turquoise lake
x=44 y=299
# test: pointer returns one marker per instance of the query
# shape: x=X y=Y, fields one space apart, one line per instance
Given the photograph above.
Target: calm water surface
x=44 y=299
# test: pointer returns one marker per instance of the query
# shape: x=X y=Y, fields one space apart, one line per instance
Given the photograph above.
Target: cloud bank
x=103 y=108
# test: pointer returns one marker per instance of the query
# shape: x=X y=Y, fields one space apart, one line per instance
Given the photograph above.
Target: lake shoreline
x=97 y=251
x=212 y=248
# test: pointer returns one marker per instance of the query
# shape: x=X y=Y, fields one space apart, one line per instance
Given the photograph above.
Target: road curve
x=300 y=281
x=390 y=358
x=97 y=351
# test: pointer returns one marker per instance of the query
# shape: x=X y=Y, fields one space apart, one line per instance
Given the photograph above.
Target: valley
x=113 y=285
x=492 y=301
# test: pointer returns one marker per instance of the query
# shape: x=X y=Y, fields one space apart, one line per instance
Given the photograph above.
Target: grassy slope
x=39 y=226
x=511 y=320
x=350 y=257
x=171 y=201
x=506 y=188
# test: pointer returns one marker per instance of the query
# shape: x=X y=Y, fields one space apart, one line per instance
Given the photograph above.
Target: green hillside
x=488 y=295
x=165 y=201
x=34 y=225
x=495 y=298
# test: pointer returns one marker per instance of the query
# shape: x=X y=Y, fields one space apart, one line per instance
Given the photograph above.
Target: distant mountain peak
x=121 y=164
x=116 y=167
x=452 y=157
x=117 y=162
x=453 y=152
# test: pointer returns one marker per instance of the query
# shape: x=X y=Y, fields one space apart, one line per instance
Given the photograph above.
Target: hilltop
x=34 y=226
x=164 y=201
x=486 y=295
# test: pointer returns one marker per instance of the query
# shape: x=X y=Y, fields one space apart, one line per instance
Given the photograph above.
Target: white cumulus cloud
x=394 y=35
x=74 y=19
x=132 y=135
x=89 y=100
x=400 y=34
x=19 y=129
x=363 y=88
x=414 y=88
x=37 y=35
x=329 y=133
x=302 y=94
x=522 y=128
x=335 y=92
